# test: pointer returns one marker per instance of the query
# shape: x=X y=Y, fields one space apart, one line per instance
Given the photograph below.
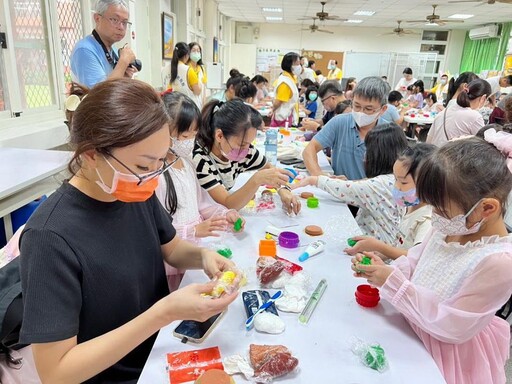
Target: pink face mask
x=235 y=154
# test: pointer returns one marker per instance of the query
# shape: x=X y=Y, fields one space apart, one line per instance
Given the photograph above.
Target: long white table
x=323 y=347
x=25 y=175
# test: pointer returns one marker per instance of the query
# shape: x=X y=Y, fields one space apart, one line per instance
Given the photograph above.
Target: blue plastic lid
x=304 y=256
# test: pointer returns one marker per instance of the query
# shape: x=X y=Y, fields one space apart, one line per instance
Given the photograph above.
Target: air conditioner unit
x=487 y=32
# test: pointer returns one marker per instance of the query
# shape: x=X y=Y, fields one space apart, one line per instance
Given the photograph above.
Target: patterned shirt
x=212 y=171
x=378 y=216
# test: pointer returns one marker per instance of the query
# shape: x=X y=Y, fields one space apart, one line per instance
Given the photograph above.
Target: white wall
x=358 y=39
x=454 y=51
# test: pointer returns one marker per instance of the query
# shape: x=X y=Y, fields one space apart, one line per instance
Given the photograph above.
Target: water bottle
x=271 y=145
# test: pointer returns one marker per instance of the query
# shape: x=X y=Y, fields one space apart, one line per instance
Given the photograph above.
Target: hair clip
x=166 y=92
x=218 y=106
x=72 y=102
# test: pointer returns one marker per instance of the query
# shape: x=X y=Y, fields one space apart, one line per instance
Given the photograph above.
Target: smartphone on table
x=196 y=331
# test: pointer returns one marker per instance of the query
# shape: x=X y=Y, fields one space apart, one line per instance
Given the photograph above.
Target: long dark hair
x=453 y=85
x=233 y=118
x=420 y=85
x=180 y=51
x=183 y=113
x=115 y=114
x=476 y=89
x=349 y=81
x=384 y=143
x=464 y=171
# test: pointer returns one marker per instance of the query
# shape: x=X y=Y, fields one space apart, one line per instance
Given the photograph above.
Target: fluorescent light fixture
x=364 y=13
x=272 y=9
x=460 y=16
x=273 y=18
x=353 y=21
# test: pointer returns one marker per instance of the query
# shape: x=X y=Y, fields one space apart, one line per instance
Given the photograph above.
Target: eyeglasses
x=116 y=22
x=149 y=176
x=326 y=98
x=367 y=110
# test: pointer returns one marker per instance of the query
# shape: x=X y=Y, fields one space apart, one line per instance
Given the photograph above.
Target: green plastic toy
x=351 y=242
x=366 y=260
x=226 y=252
x=238 y=225
x=375 y=358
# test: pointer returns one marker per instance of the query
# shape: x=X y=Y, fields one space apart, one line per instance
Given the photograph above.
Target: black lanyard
x=112 y=59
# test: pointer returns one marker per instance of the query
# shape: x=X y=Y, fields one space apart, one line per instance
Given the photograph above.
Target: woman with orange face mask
x=94 y=286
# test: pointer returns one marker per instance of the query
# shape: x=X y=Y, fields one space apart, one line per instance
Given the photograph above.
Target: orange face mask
x=124 y=186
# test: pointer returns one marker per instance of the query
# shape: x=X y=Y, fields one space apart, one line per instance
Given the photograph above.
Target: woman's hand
x=310 y=180
x=208 y=227
x=376 y=273
x=272 y=176
x=290 y=202
x=232 y=216
x=214 y=264
x=364 y=243
x=188 y=303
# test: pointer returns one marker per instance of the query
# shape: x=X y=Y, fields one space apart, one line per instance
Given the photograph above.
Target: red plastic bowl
x=367 y=296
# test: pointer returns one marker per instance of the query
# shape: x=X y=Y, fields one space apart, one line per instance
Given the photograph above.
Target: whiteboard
x=214 y=76
x=364 y=64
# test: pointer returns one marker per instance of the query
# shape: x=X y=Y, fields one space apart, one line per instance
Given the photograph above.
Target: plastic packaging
x=268 y=269
x=289 y=267
x=313 y=249
x=372 y=356
x=266 y=201
x=271 y=361
x=183 y=367
x=227 y=283
x=271 y=145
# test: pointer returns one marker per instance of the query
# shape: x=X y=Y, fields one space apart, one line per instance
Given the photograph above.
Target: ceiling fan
x=399 y=31
x=322 y=16
x=434 y=19
x=315 y=28
x=483 y=2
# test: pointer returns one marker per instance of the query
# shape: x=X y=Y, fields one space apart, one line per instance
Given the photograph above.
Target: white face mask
x=443 y=81
x=183 y=148
x=456 y=226
x=296 y=70
x=362 y=119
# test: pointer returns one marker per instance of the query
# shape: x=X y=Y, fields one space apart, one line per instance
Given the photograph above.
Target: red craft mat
x=184 y=367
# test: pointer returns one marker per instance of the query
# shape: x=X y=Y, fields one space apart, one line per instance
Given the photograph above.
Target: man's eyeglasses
x=116 y=22
x=367 y=110
x=327 y=98
x=149 y=176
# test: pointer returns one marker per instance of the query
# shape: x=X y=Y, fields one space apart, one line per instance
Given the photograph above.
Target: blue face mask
x=313 y=96
x=405 y=199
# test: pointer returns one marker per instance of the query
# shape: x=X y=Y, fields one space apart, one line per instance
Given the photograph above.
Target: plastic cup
x=367 y=296
x=268 y=248
x=288 y=240
x=293 y=172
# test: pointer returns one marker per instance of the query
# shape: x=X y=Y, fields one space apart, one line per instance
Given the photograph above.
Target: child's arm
x=462 y=316
x=361 y=193
x=371 y=244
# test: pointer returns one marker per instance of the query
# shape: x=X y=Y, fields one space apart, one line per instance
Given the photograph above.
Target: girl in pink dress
x=450 y=286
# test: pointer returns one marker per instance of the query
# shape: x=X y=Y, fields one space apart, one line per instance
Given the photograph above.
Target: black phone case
x=255 y=299
x=290 y=161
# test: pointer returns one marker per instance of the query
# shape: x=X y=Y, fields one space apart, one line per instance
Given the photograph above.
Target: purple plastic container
x=288 y=240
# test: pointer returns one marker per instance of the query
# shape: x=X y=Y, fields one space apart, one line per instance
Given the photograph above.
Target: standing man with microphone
x=94 y=59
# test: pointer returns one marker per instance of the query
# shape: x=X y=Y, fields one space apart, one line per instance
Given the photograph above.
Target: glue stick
x=313 y=249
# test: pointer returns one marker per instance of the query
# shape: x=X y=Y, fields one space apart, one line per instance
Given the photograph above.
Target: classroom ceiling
x=387 y=12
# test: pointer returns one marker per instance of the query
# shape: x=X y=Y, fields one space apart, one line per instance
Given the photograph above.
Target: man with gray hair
x=94 y=58
x=345 y=133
